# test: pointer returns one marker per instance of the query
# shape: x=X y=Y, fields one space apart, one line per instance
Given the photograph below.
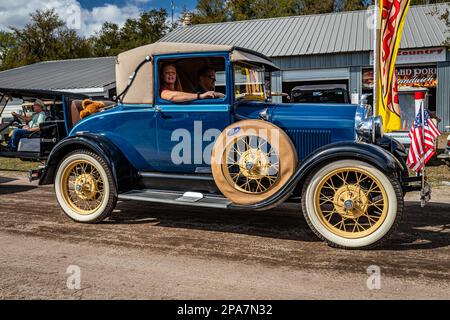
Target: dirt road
x=168 y=252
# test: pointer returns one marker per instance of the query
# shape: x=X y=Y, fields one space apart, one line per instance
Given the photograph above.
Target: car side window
x=192 y=79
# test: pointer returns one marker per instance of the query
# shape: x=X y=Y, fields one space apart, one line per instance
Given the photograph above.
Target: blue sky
x=85 y=16
x=190 y=4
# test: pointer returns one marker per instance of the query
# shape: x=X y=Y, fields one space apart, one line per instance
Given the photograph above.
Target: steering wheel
x=17 y=119
x=8 y=124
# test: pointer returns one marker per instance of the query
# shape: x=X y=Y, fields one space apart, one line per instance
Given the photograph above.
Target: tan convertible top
x=141 y=91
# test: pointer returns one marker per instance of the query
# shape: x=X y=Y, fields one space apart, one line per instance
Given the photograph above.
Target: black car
x=57 y=109
x=324 y=93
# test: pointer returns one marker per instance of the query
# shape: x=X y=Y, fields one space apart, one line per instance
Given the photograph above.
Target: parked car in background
x=56 y=126
x=323 y=93
x=445 y=156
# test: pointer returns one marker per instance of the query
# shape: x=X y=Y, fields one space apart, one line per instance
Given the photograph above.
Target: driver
x=32 y=126
x=207 y=81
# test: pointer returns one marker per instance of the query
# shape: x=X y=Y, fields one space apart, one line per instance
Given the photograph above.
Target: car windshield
x=249 y=82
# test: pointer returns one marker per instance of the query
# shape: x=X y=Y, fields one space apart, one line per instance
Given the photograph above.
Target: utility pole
x=172 y=8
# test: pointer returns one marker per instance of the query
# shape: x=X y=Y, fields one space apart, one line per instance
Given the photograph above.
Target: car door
x=186 y=131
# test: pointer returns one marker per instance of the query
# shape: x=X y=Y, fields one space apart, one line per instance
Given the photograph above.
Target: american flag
x=423 y=135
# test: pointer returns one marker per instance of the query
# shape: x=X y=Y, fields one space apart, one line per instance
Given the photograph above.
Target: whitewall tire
x=84 y=187
x=352 y=204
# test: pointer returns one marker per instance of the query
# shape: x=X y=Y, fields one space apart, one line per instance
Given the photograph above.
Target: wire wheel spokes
x=83 y=187
x=251 y=164
x=351 y=202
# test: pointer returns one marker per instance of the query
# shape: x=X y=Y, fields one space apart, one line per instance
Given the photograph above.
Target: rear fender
x=123 y=172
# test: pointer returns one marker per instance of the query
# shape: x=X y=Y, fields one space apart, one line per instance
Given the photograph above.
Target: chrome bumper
x=444 y=156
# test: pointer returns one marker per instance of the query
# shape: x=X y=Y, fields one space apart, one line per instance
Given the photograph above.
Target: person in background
x=32 y=126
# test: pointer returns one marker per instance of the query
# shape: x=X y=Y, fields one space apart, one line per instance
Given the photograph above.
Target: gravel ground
x=167 y=252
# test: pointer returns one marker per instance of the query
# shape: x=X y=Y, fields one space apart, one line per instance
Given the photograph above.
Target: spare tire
x=252 y=160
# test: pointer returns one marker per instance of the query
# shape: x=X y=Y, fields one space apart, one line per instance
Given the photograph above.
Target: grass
x=439 y=175
x=7 y=164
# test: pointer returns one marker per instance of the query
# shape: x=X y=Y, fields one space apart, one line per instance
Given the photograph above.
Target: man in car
x=32 y=126
x=207 y=81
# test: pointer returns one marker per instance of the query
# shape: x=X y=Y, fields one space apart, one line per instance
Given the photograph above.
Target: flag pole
x=422 y=107
x=375 y=64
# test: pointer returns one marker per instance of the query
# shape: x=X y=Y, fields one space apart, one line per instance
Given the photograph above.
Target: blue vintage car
x=233 y=149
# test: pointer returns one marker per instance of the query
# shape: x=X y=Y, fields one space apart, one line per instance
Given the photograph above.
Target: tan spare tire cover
x=252 y=160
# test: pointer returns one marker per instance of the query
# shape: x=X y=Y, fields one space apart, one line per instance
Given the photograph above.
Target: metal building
x=94 y=77
x=337 y=48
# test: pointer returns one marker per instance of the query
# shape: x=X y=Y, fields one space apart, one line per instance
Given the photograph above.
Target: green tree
x=107 y=41
x=446 y=18
x=316 y=7
x=281 y=8
x=260 y=9
x=242 y=9
x=209 y=11
x=7 y=43
x=46 y=37
x=352 y=5
x=418 y=2
x=148 y=28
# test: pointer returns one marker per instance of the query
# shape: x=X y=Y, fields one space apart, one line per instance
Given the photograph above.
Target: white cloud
x=17 y=13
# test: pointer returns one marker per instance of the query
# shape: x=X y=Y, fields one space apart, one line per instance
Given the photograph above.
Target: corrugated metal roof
x=62 y=74
x=315 y=34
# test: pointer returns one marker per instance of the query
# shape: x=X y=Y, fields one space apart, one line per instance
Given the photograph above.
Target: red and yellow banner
x=391 y=21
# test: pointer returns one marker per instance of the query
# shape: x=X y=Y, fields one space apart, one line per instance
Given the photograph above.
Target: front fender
x=123 y=172
x=373 y=154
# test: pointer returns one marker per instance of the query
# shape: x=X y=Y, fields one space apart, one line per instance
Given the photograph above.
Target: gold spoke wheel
x=351 y=202
x=82 y=187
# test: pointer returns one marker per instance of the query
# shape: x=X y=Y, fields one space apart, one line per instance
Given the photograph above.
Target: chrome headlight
x=367 y=127
x=378 y=127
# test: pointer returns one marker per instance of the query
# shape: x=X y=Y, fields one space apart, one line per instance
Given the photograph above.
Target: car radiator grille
x=306 y=141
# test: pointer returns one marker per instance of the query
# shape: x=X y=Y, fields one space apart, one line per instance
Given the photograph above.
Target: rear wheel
x=84 y=187
x=352 y=204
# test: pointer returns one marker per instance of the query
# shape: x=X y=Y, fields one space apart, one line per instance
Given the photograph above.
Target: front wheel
x=352 y=204
x=84 y=187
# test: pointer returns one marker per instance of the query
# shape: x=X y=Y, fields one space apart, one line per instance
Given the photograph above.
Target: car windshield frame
x=251 y=78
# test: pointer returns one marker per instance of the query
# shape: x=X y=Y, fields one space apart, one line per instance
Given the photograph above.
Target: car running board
x=196 y=199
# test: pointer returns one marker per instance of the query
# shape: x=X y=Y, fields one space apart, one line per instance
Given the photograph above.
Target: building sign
x=421 y=76
x=418 y=56
x=417 y=77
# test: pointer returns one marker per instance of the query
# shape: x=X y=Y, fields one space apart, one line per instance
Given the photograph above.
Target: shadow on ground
x=6 y=179
x=425 y=228
x=285 y=222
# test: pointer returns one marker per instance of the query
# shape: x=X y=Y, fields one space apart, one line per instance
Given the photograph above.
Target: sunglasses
x=210 y=77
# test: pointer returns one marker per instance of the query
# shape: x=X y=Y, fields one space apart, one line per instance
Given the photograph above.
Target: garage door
x=316 y=75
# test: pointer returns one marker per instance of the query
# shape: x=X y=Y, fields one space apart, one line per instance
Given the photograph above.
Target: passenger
x=32 y=126
x=170 y=88
x=207 y=81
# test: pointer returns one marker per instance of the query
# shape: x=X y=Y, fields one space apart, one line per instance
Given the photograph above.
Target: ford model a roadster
x=235 y=150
